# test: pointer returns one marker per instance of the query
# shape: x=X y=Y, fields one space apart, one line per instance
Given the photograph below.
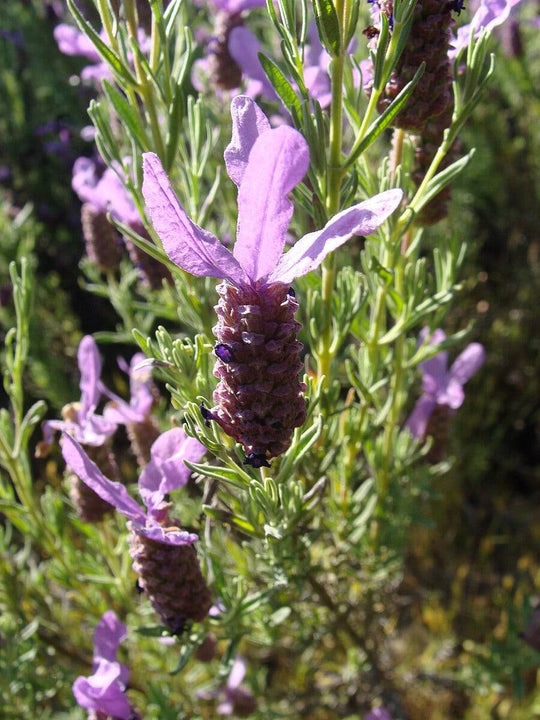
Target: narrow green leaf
x=103 y=49
x=328 y=26
x=281 y=85
x=384 y=120
x=127 y=114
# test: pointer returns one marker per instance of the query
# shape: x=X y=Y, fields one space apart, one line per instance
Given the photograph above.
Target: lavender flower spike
x=105 y=690
x=259 y=396
x=443 y=387
x=163 y=554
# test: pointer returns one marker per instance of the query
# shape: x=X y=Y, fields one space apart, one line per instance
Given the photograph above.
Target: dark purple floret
x=256 y=460
x=207 y=414
x=224 y=352
x=456 y=6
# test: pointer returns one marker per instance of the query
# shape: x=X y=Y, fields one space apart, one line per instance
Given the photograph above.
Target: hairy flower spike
x=103 y=245
x=428 y=41
x=259 y=395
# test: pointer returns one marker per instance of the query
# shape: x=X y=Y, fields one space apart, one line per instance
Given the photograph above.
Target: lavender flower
x=101 y=194
x=142 y=398
x=80 y=419
x=440 y=385
x=90 y=429
x=142 y=428
x=232 y=53
x=490 y=14
x=378 y=714
x=105 y=690
x=259 y=396
x=72 y=42
x=163 y=553
x=235 y=699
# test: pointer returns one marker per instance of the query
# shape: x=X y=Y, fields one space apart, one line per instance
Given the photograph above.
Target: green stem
x=333 y=187
x=144 y=89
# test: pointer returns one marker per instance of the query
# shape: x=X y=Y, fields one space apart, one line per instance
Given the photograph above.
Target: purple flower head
x=489 y=15
x=165 y=472
x=105 y=690
x=378 y=714
x=141 y=400
x=106 y=193
x=237 y=6
x=80 y=419
x=72 y=42
x=443 y=386
x=266 y=164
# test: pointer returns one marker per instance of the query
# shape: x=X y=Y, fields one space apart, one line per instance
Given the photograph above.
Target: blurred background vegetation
x=473 y=566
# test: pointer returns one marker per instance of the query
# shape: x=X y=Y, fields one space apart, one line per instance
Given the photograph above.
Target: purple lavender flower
x=80 y=419
x=237 y=6
x=440 y=385
x=163 y=554
x=235 y=699
x=72 y=42
x=165 y=472
x=378 y=714
x=141 y=396
x=259 y=397
x=105 y=690
x=105 y=192
x=489 y=15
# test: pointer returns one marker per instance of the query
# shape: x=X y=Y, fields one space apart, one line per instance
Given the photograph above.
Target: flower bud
x=171 y=577
x=103 y=245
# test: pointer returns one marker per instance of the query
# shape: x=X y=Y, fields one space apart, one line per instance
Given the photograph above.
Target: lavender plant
x=278 y=469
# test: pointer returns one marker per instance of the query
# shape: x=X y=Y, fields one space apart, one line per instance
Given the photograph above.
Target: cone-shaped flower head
x=259 y=395
x=105 y=690
x=443 y=386
x=163 y=554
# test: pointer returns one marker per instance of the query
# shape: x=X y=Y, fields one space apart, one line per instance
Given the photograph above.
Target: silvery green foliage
x=306 y=546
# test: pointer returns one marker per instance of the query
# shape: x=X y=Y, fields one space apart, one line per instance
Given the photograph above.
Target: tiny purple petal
x=167 y=470
x=434 y=370
x=468 y=363
x=72 y=42
x=378 y=714
x=248 y=122
x=112 y=492
x=452 y=395
x=165 y=535
x=417 y=423
x=309 y=252
x=103 y=692
x=489 y=15
x=89 y=363
x=278 y=161
x=236 y=6
x=190 y=247
x=108 y=635
x=238 y=673
x=317 y=82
